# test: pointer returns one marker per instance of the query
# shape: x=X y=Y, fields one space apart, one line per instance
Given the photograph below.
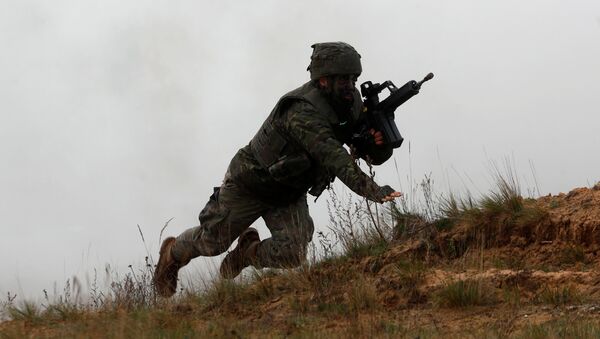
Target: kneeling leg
x=291 y=230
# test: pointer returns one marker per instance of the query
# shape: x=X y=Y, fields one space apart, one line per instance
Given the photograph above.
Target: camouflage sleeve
x=313 y=132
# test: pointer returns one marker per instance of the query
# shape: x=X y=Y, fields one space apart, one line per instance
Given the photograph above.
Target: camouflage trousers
x=230 y=211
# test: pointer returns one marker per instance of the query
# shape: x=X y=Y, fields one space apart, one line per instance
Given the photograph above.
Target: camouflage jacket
x=300 y=147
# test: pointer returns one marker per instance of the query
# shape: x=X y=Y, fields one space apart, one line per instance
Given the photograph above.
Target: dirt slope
x=534 y=273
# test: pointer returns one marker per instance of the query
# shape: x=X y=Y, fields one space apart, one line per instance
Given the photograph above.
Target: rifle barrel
x=426 y=78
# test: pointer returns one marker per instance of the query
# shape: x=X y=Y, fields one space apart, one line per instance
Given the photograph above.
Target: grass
x=26 y=311
x=411 y=274
x=408 y=223
x=559 y=296
x=494 y=219
x=342 y=292
x=511 y=295
x=225 y=294
x=465 y=293
x=367 y=246
x=362 y=296
x=564 y=327
x=512 y=262
x=360 y=228
x=572 y=255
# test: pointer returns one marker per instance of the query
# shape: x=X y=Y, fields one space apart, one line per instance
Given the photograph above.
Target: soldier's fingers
x=378 y=134
x=392 y=196
x=387 y=198
x=372 y=131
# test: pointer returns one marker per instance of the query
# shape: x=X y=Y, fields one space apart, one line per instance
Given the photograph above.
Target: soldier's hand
x=391 y=196
x=388 y=194
x=377 y=136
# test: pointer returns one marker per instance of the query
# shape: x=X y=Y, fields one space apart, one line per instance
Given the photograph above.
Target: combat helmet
x=330 y=58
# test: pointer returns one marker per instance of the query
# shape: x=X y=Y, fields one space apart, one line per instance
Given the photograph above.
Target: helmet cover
x=329 y=58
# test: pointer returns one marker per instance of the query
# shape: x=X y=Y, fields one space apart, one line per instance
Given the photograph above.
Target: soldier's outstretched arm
x=313 y=132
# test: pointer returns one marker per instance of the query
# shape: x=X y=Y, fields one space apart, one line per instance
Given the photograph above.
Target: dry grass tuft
x=465 y=293
x=564 y=327
x=559 y=296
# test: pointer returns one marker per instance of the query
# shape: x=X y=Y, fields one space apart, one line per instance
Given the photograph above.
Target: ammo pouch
x=288 y=168
x=268 y=147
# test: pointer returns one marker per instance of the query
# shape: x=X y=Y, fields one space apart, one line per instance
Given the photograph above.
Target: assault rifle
x=380 y=115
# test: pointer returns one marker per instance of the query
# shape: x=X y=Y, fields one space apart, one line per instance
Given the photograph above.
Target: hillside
x=504 y=266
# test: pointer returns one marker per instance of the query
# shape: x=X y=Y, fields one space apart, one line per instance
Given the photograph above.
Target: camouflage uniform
x=299 y=148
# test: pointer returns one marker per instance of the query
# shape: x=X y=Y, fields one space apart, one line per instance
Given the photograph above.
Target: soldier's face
x=343 y=87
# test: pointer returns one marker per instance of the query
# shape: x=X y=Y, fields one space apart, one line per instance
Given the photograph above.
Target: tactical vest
x=286 y=161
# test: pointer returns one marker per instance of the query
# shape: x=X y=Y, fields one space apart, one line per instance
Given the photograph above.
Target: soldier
x=298 y=149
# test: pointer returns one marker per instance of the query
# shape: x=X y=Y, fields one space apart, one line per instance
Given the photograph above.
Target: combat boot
x=165 y=274
x=243 y=255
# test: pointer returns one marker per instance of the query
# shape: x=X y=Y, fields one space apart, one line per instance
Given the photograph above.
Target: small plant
x=407 y=223
x=362 y=295
x=26 y=311
x=464 y=293
x=490 y=220
x=564 y=327
x=360 y=227
x=369 y=245
x=225 y=294
x=572 y=255
x=63 y=311
x=5 y=305
x=327 y=246
x=299 y=304
x=309 y=278
x=334 y=308
x=298 y=322
x=443 y=224
x=390 y=328
x=559 y=296
x=511 y=296
x=512 y=262
x=412 y=275
x=506 y=199
x=134 y=290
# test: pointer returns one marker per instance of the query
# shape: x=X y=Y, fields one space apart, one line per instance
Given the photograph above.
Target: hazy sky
x=115 y=113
